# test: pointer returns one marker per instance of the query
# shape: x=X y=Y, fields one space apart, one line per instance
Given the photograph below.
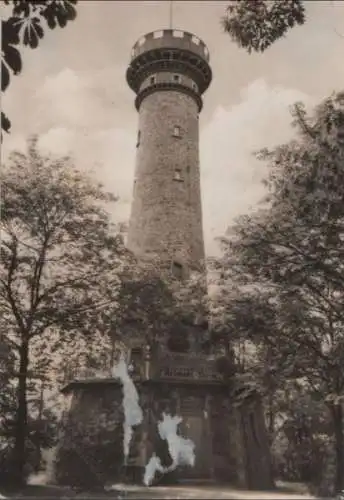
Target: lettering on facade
x=199 y=373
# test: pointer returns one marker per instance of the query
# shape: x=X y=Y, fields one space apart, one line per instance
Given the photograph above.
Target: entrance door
x=195 y=427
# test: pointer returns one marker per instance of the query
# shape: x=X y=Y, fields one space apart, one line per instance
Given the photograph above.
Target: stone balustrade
x=167 y=365
x=170 y=38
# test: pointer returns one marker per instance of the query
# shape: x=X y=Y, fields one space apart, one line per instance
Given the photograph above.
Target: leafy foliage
x=153 y=305
x=57 y=245
x=42 y=429
x=301 y=435
x=145 y=304
x=7 y=394
x=60 y=263
x=257 y=24
x=286 y=261
x=25 y=27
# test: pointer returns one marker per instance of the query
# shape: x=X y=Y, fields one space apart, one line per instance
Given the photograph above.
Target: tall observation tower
x=222 y=414
x=169 y=71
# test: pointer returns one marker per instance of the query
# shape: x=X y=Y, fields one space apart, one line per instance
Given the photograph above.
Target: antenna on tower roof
x=171 y=13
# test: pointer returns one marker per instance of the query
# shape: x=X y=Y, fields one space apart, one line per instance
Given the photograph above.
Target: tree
x=257 y=24
x=271 y=348
x=60 y=259
x=291 y=252
x=25 y=27
x=153 y=305
x=144 y=306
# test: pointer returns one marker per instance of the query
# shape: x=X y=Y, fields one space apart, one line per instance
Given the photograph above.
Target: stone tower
x=169 y=71
x=221 y=412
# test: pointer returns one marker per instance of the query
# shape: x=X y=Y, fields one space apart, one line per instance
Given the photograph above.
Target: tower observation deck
x=169 y=71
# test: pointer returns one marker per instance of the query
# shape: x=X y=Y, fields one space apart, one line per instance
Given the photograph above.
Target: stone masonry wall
x=230 y=441
x=91 y=442
x=166 y=217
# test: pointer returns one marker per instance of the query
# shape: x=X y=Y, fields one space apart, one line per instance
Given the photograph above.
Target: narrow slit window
x=177 y=270
x=138 y=138
x=195 y=87
x=176 y=131
x=178 y=175
x=152 y=80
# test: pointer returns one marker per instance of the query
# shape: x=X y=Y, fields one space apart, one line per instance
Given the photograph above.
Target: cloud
x=81 y=100
x=64 y=96
x=231 y=176
x=75 y=113
x=108 y=154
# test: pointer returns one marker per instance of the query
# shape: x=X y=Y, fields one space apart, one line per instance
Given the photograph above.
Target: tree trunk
x=271 y=429
x=271 y=416
x=337 y=418
x=21 y=420
x=40 y=420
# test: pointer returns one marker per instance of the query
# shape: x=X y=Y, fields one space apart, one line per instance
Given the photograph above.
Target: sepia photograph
x=172 y=249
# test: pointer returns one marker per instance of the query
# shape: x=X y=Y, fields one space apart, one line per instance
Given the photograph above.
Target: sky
x=73 y=93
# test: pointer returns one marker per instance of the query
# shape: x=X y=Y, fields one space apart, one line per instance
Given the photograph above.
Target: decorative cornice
x=172 y=60
x=163 y=86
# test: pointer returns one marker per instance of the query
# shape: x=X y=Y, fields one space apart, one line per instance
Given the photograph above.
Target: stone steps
x=190 y=481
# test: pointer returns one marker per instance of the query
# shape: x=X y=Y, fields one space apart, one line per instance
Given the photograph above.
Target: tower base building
x=223 y=419
x=169 y=72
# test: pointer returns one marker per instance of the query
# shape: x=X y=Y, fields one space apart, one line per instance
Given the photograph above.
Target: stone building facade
x=224 y=420
x=169 y=71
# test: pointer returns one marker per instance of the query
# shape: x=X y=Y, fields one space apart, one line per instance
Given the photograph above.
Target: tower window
x=178 y=175
x=176 y=131
x=177 y=78
x=194 y=86
x=152 y=80
x=138 y=138
x=177 y=270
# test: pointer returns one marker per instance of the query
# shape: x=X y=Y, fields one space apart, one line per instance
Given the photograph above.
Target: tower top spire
x=171 y=14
